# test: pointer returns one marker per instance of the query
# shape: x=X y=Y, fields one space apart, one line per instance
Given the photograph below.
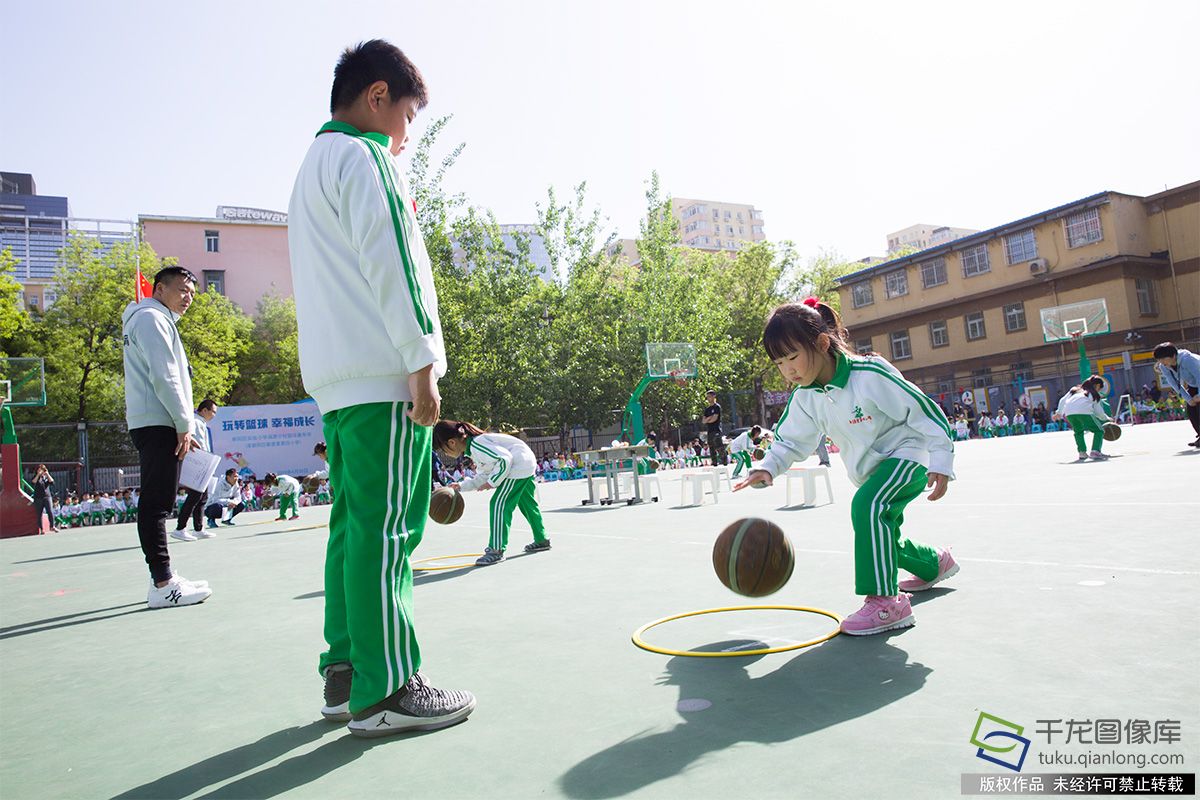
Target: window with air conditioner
x=1020 y=247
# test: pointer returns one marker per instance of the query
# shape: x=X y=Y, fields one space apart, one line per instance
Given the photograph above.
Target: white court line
x=1087 y=504
x=1079 y=566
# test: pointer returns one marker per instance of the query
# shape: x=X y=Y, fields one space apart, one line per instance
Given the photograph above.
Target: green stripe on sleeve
x=414 y=289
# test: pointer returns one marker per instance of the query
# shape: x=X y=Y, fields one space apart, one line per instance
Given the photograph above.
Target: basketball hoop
x=679 y=376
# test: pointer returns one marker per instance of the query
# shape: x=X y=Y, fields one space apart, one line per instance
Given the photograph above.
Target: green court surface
x=1074 y=603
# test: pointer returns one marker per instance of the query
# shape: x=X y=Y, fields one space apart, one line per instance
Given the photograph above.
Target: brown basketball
x=446 y=505
x=759 y=454
x=753 y=557
x=1112 y=431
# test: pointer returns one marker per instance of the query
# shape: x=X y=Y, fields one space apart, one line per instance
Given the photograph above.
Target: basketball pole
x=632 y=425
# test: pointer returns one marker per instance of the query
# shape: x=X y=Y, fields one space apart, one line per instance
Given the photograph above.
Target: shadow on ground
x=840 y=680
x=283 y=777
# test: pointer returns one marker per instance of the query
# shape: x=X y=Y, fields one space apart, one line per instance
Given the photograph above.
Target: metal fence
x=100 y=455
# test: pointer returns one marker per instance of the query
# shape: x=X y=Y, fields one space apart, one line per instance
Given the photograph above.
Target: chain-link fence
x=81 y=457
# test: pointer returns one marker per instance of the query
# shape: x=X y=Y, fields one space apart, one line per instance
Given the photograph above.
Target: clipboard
x=197 y=469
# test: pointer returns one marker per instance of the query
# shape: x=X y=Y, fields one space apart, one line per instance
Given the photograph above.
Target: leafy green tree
x=80 y=335
x=270 y=368
x=215 y=334
x=14 y=319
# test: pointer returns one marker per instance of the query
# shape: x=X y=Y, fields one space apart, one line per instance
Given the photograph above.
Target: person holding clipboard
x=158 y=413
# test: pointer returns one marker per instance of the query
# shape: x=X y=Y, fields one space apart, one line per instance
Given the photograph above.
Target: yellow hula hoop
x=442 y=558
x=637 y=635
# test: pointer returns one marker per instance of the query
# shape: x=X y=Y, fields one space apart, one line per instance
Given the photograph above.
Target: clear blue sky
x=842 y=122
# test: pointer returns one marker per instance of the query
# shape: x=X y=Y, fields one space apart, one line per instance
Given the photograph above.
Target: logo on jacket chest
x=859 y=417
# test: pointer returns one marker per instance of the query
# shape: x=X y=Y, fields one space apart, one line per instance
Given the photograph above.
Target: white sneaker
x=184 y=535
x=207 y=533
x=178 y=592
x=201 y=584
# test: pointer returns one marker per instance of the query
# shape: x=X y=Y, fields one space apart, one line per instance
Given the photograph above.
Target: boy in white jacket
x=371 y=354
x=894 y=440
x=505 y=464
x=1082 y=408
x=741 y=448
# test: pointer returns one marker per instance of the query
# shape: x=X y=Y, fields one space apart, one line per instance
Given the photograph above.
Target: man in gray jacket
x=158 y=413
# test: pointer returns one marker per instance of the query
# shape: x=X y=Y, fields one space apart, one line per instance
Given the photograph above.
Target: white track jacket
x=872 y=413
x=498 y=457
x=1081 y=403
x=365 y=301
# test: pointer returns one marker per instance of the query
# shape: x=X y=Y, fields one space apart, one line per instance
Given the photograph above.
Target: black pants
x=45 y=505
x=1193 y=412
x=193 y=506
x=215 y=510
x=160 y=479
x=716 y=449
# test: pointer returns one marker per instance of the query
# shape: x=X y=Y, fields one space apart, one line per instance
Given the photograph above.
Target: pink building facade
x=241 y=253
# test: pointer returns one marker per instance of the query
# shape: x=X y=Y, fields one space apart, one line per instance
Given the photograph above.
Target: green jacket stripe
x=401 y=241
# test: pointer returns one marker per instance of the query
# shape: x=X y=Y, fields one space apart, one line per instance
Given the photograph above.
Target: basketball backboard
x=1075 y=320
x=671 y=359
x=22 y=382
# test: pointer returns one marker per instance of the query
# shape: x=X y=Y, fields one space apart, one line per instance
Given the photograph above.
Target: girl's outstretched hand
x=759 y=478
x=940 y=483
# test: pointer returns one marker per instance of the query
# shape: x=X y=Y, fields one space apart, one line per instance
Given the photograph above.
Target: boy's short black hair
x=376 y=60
x=230 y=471
x=169 y=273
x=1166 y=350
x=207 y=404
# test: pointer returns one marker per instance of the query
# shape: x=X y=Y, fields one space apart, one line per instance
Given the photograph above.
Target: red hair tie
x=811 y=302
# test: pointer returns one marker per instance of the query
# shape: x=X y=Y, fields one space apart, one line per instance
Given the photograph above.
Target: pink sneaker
x=880 y=614
x=947 y=568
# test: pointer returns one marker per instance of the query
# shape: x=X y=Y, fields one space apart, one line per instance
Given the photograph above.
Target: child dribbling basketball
x=894 y=441
x=741 y=448
x=1083 y=408
x=503 y=463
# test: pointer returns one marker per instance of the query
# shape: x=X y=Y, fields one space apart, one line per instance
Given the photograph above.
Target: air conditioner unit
x=1038 y=266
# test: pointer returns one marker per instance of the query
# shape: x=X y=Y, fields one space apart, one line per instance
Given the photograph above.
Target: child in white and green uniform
x=894 y=440
x=503 y=463
x=741 y=448
x=288 y=490
x=1083 y=408
x=371 y=354
x=649 y=464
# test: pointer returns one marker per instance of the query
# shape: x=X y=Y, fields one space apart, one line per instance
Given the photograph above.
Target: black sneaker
x=416 y=707
x=537 y=547
x=338 y=678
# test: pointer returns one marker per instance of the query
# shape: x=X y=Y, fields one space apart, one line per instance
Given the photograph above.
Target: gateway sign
x=251 y=214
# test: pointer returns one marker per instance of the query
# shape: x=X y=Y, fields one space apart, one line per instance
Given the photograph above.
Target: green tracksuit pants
x=741 y=460
x=380 y=461
x=287 y=501
x=877 y=512
x=1081 y=425
x=510 y=495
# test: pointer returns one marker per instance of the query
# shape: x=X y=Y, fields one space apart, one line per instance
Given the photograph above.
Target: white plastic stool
x=720 y=473
x=809 y=476
x=646 y=481
x=699 y=481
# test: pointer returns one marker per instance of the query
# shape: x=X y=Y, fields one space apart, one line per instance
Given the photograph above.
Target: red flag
x=144 y=287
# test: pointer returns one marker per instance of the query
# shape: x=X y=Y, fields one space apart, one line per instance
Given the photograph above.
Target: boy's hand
x=759 y=478
x=426 y=402
x=940 y=483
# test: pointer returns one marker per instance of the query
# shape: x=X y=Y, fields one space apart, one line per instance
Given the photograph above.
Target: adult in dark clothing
x=716 y=439
x=43 y=498
x=195 y=502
